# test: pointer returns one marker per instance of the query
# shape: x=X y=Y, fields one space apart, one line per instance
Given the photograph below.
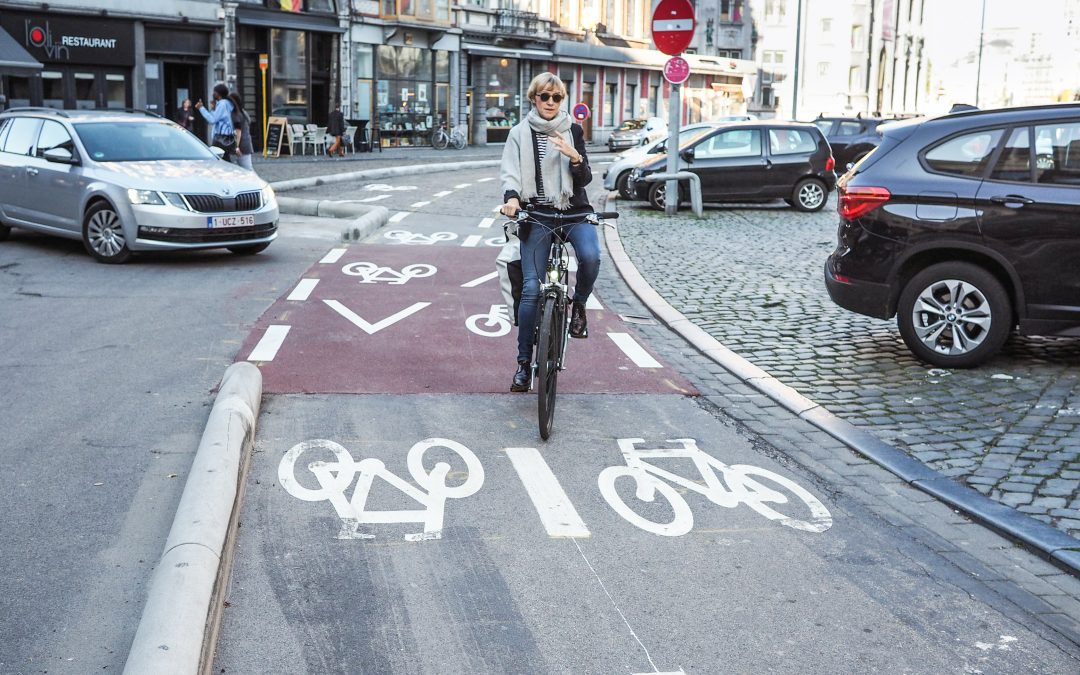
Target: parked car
x=618 y=173
x=125 y=182
x=851 y=138
x=741 y=161
x=636 y=132
x=964 y=227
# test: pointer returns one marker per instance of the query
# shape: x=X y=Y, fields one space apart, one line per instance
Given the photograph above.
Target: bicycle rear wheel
x=547 y=362
x=440 y=139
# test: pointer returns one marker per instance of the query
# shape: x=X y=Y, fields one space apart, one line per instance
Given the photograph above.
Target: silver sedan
x=127 y=182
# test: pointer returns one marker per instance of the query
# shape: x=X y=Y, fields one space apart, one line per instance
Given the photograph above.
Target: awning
x=14 y=60
x=510 y=52
x=250 y=16
x=603 y=55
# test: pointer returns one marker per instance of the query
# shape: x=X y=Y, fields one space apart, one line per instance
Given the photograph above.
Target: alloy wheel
x=811 y=195
x=952 y=317
x=106 y=233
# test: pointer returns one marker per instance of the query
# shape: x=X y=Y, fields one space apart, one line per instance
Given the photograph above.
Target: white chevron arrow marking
x=372 y=328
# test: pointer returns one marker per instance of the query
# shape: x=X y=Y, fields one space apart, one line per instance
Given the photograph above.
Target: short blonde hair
x=546 y=82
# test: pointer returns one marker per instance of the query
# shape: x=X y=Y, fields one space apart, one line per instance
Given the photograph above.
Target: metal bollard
x=695 y=188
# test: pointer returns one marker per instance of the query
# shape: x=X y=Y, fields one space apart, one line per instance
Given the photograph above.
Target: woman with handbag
x=220 y=120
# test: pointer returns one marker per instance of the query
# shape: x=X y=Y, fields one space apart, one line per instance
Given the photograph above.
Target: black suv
x=851 y=138
x=965 y=227
x=748 y=161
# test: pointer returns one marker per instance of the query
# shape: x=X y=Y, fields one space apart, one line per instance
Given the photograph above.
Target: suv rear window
x=964 y=155
x=1058 y=153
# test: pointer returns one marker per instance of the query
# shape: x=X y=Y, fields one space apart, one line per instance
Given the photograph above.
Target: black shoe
x=579 y=324
x=523 y=377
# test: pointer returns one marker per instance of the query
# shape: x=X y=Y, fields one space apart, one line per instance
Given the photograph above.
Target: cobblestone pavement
x=751 y=275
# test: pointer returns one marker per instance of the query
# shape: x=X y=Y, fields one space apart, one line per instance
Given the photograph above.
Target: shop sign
x=76 y=40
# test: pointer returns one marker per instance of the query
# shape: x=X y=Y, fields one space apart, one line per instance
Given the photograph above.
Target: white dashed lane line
x=333 y=256
x=462 y=185
x=418 y=205
x=484 y=180
x=486 y=222
x=472 y=240
x=373 y=199
x=270 y=343
x=303 y=289
x=400 y=216
x=632 y=349
x=441 y=194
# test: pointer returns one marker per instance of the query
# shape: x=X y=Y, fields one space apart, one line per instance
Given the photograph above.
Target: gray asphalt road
x=335 y=572
x=107 y=374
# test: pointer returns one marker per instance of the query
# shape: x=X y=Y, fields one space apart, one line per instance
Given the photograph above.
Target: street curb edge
x=366 y=217
x=177 y=630
x=1053 y=544
x=388 y=172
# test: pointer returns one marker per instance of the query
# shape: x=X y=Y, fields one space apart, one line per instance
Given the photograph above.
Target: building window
x=855 y=79
x=729 y=53
x=611 y=93
x=856 y=37
x=826 y=25
x=823 y=68
x=775 y=11
x=768 y=100
x=630 y=101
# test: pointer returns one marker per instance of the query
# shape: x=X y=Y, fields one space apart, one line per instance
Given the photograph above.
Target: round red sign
x=581 y=112
x=676 y=70
x=673 y=26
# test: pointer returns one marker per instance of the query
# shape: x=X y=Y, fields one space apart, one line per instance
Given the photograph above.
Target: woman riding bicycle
x=544 y=168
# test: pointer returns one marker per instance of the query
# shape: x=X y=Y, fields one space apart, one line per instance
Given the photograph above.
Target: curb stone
x=179 y=623
x=388 y=172
x=366 y=218
x=1050 y=542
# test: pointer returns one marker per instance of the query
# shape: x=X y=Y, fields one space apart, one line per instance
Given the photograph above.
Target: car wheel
x=103 y=235
x=249 y=249
x=5 y=230
x=954 y=315
x=622 y=184
x=809 y=195
x=658 y=195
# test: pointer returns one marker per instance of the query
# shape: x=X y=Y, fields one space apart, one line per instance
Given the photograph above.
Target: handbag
x=224 y=141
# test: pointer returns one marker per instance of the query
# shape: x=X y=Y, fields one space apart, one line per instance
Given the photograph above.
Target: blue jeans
x=534 y=254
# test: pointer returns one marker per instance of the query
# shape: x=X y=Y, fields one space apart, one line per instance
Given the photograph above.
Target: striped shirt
x=541 y=151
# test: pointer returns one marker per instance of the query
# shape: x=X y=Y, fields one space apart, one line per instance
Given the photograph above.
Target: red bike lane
x=399 y=319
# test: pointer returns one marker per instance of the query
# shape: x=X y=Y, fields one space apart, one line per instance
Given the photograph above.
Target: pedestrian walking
x=544 y=165
x=185 y=116
x=219 y=117
x=242 y=125
x=336 y=127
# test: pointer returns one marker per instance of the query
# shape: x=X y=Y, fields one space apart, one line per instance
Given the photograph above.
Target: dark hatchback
x=965 y=227
x=749 y=161
x=851 y=138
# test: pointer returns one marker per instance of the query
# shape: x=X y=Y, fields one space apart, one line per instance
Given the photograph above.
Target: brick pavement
x=751 y=275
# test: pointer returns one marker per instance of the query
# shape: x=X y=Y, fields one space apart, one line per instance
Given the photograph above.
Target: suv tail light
x=859 y=201
x=830 y=163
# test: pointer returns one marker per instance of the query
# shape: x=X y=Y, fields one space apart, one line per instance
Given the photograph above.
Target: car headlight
x=145 y=197
x=268 y=196
x=176 y=200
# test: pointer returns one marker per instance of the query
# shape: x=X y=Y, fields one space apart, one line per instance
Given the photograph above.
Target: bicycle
x=552 y=319
x=441 y=139
x=457 y=138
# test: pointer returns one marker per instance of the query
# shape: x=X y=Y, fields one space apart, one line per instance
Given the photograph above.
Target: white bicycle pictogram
x=371 y=273
x=741 y=484
x=418 y=239
x=335 y=477
x=496 y=323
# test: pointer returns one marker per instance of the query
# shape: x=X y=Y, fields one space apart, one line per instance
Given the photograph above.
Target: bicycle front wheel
x=547 y=362
x=458 y=141
x=439 y=140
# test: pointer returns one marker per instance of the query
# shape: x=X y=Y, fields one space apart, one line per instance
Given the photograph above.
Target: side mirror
x=687 y=154
x=60 y=156
x=218 y=152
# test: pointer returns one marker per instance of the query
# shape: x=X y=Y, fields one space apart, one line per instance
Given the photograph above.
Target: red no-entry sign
x=673 y=26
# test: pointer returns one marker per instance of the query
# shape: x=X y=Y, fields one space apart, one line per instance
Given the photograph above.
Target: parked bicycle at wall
x=441 y=138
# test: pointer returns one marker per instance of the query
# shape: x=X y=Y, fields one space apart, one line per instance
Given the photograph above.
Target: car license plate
x=230 y=221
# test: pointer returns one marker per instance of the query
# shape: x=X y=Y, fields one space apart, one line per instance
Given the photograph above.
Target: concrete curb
x=1054 y=544
x=366 y=218
x=388 y=172
x=179 y=623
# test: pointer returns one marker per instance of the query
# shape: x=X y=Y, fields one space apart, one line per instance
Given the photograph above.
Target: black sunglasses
x=545 y=97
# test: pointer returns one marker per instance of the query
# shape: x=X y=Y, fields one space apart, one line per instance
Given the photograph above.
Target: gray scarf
x=555 y=170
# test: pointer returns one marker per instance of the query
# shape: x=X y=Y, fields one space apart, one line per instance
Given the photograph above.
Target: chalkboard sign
x=276 y=128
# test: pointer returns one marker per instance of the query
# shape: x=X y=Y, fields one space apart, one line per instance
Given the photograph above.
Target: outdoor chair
x=296 y=137
x=349 y=138
x=317 y=139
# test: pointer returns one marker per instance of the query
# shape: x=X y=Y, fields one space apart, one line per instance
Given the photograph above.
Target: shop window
x=503 y=98
x=18 y=91
x=363 y=61
x=290 y=54
x=85 y=91
x=115 y=90
x=442 y=66
x=630 y=102
x=52 y=86
x=611 y=93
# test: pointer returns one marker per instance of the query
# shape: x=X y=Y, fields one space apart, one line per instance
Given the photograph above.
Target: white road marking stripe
x=303 y=289
x=672 y=25
x=400 y=216
x=372 y=328
x=270 y=343
x=486 y=222
x=472 y=240
x=484 y=180
x=373 y=199
x=442 y=194
x=593 y=303
x=554 y=507
x=333 y=256
x=418 y=205
x=636 y=352
x=479 y=280
x=462 y=185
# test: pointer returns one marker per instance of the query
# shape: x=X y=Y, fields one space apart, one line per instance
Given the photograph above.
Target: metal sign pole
x=671 y=191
